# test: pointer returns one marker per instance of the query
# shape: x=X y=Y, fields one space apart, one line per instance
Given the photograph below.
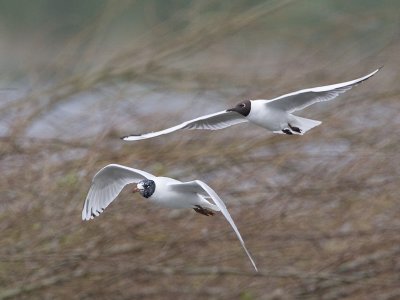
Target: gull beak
x=139 y=187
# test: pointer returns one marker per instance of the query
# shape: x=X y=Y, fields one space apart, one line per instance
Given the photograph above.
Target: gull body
x=162 y=191
x=275 y=115
x=165 y=196
x=268 y=118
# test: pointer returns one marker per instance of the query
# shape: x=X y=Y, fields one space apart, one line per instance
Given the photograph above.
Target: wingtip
x=369 y=75
x=88 y=217
x=253 y=263
x=374 y=72
x=130 y=137
x=377 y=70
x=85 y=217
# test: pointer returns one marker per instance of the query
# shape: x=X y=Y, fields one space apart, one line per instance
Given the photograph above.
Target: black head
x=146 y=187
x=242 y=108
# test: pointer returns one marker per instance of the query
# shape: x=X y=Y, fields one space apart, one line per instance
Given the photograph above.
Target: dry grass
x=319 y=213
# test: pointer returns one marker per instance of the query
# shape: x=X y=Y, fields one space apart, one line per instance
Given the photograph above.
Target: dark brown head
x=146 y=188
x=242 y=108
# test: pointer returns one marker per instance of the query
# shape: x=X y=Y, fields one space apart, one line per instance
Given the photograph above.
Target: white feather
x=106 y=185
x=213 y=121
x=301 y=99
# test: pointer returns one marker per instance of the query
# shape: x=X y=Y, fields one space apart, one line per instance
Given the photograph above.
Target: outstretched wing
x=106 y=185
x=214 y=121
x=201 y=188
x=303 y=98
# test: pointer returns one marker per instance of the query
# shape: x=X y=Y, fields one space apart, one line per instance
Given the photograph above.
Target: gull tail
x=304 y=124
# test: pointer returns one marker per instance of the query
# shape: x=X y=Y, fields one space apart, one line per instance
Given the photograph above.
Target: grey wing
x=200 y=187
x=213 y=121
x=106 y=185
x=303 y=98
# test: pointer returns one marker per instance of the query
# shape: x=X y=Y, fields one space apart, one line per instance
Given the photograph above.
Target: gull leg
x=295 y=129
x=203 y=211
x=287 y=131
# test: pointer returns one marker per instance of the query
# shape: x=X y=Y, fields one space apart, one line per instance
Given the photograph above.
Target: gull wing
x=213 y=121
x=201 y=188
x=106 y=185
x=303 y=98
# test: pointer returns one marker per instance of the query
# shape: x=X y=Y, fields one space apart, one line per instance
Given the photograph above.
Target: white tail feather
x=304 y=124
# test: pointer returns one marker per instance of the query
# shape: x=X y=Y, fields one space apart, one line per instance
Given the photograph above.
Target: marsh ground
x=320 y=213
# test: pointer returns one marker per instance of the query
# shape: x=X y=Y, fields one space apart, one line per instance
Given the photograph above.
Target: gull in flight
x=163 y=191
x=274 y=115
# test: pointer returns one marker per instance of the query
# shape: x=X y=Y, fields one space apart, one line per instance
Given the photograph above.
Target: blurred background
x=319 y=213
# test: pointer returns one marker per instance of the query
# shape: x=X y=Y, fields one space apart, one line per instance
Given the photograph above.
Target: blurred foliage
x=64 y=17
x=319 y=213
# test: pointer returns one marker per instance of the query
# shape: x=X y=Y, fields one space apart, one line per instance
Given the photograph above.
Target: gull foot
x=203 y=211
x=295 y=129
x=287 y=131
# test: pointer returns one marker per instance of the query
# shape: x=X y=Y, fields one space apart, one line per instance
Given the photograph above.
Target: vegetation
x=319 y=213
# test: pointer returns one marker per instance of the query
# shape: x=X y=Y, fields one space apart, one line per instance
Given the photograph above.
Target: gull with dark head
x=163 y=191
x=274 y=115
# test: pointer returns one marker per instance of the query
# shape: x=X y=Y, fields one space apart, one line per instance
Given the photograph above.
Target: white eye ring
x=242 y=105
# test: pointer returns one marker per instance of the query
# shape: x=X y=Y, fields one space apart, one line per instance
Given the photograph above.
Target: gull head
x=242 y=108
x=145 y=187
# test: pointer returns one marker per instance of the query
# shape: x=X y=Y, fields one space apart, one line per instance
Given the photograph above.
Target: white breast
x=265 y=117
x=164 y=196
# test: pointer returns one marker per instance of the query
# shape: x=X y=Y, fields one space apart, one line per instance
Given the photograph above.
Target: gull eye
x=242 y=105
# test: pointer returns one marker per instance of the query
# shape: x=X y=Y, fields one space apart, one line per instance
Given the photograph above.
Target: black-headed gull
x=274 y=115
x=164 y=191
